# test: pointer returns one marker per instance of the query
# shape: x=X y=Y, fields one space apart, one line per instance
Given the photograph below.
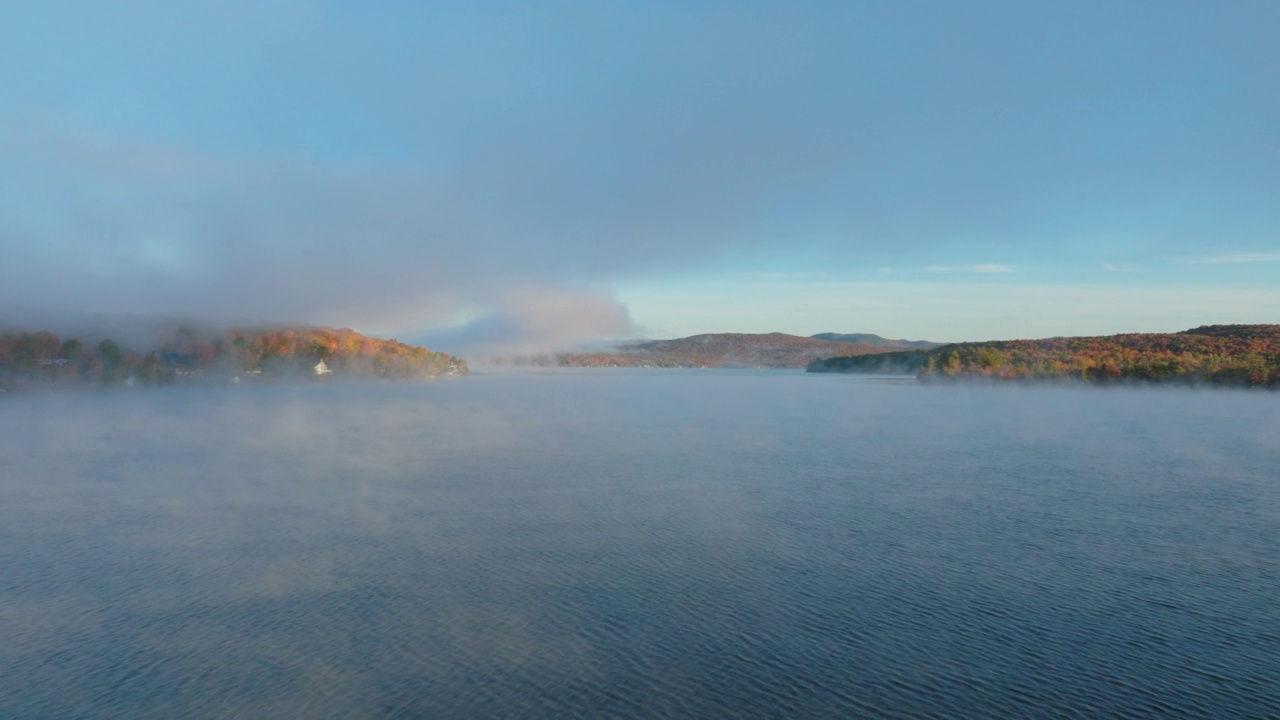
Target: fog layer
x=433 y=167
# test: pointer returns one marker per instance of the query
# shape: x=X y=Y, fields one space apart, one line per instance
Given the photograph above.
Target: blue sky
x=533 y=175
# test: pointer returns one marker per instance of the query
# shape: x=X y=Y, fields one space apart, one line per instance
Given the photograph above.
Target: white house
x=322 y=369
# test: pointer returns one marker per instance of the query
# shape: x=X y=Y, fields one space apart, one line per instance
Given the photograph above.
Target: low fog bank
x=514 y=321
x=370 y=419
x=701 y=451
x=140 y=331
x=133 y=330
x=535 y=322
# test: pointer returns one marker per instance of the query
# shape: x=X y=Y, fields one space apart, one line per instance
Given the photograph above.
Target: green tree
x=109 y=355
x=70 y=349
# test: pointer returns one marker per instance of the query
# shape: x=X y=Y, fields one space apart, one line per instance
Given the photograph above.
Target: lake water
x=617 y=543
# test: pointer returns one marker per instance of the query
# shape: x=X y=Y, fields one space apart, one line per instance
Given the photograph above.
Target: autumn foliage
x=186 y=353
x=1220 y=354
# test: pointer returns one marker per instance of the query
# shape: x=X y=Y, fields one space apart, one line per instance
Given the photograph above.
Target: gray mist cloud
x=411 y=169
x=535 y=321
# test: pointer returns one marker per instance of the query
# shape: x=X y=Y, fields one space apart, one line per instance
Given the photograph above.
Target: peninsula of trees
x=771 y=350
x=1244 y=355
x=186 y=353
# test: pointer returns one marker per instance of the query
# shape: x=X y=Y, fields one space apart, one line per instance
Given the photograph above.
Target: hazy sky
x=535 y=174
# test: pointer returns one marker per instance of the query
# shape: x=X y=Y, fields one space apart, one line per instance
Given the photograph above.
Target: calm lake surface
x=616 y=543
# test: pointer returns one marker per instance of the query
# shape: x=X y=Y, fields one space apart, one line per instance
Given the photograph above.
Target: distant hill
x=869 y=339
x=187 y=353
x=773 y=350
x=1217 y=354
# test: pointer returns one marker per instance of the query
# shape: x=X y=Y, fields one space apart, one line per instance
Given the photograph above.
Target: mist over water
x=639 y=544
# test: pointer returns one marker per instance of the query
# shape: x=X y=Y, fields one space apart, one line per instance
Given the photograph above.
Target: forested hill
x=870 y=339
x=1218 y=354
x=774 y=350
x=186 y=353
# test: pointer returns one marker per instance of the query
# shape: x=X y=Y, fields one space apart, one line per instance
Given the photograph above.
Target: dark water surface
x=640 y=544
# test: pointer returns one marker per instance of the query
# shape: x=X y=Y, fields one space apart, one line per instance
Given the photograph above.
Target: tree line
x=1246 y=355
x=187 y=352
